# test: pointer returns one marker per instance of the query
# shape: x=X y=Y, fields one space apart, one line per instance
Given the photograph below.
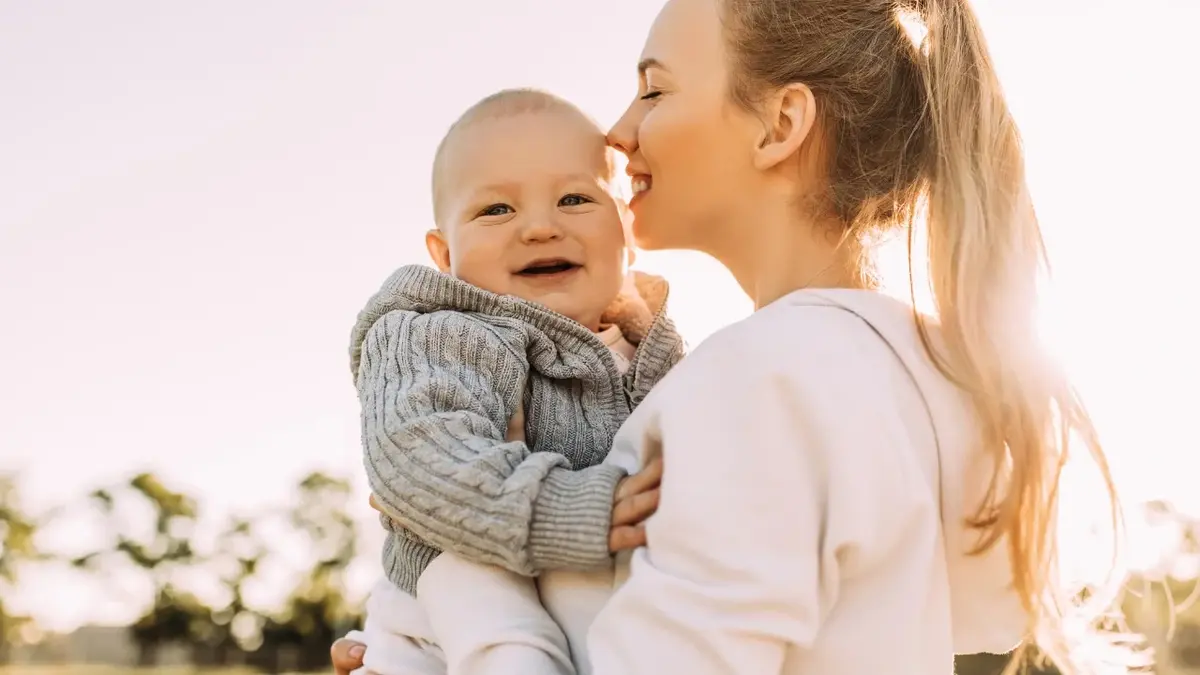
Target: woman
x=847 y=489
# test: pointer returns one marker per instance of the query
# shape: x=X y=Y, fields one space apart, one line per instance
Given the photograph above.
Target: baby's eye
x=497 y=210
x=575 y=200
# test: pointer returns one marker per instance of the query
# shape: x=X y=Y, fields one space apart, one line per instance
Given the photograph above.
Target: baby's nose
x=541 y=229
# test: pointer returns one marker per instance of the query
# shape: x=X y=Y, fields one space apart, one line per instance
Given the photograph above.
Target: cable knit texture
x=441 y=366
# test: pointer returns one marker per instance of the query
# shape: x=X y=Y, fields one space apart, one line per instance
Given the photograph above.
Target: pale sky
x=196 y=198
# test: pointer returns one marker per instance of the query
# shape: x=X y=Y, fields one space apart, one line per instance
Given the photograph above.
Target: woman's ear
x=439 y=250
x=788 y=121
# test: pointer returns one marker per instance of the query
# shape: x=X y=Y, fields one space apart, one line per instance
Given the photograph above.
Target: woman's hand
x=635 y=501
x=347 y=656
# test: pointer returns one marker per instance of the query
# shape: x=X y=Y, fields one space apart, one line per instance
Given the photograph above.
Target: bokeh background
x=196 y=198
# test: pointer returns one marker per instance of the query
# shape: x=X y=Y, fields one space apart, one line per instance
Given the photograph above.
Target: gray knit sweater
x=441 y=366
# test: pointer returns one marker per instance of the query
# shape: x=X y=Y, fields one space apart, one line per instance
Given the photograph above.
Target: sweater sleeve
x=437 y=391
x=744 y=553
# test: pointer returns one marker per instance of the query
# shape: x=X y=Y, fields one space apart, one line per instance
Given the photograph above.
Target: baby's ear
x=439 y=250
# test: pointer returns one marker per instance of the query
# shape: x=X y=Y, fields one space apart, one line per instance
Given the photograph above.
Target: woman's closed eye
x=575 y=200
x=496 y=210
x=650 y=95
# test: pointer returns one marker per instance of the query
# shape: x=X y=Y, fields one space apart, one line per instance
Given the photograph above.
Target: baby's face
x=525 y=208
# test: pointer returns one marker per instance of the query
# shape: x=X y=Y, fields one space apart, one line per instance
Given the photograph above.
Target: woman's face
x=690 y=147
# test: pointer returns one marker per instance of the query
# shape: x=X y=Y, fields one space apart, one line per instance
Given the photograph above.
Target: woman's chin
x=645 y=243
x=646 y=236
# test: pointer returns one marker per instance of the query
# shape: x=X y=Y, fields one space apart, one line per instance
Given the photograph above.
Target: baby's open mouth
x=547 y=267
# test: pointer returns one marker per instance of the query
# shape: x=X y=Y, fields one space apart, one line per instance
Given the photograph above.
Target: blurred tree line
x=297 y=636
x=294 y=637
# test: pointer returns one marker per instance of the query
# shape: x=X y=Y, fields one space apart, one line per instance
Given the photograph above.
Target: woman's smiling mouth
x=640 y=184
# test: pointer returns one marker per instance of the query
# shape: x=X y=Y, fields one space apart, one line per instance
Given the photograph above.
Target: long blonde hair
x=918 y=127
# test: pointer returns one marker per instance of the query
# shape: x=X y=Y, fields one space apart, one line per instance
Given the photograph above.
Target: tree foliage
x=294 y=637
x=18 y=546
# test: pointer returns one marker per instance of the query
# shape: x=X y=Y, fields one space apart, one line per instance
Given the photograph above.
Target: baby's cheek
x=616 y=237
x=610 y=276
x=481 y=267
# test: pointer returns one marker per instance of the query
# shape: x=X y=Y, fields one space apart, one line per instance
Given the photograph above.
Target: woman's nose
x=623 y=135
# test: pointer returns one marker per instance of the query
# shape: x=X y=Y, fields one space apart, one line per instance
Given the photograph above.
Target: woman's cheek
x=655 y=140
x=677 y=140
x=677 y=137
x=651 y=227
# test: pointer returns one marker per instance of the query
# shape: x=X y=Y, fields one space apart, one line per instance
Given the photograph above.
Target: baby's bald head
x=525 y=205
x=506 y=104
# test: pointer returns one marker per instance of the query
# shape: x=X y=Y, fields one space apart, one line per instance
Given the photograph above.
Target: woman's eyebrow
x=648 y=63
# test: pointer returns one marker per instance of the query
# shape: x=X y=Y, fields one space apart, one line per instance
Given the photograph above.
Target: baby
x=491 y=391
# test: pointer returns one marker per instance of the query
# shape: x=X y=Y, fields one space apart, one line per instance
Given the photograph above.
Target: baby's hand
x=636 y=500
x=516 y=426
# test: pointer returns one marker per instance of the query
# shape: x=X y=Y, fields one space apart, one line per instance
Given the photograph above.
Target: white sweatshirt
x=818 y=474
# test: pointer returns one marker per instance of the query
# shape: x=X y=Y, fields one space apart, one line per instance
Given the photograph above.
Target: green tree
x=18 y=530
x=173 y=615
x=235 y=626
x=317 y=611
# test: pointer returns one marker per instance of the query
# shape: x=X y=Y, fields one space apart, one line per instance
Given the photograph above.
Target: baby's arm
x=437 y=392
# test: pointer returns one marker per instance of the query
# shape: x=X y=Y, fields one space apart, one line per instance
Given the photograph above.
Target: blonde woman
x=849 y=488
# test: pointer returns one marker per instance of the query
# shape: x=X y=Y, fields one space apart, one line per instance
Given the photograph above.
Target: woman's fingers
x=649 y=477
x=635 y=509
x=625 y=538
x=347 y=656
x=635 y=501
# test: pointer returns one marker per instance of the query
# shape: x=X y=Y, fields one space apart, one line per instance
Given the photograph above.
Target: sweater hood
x=986 y=613
x=639 y=310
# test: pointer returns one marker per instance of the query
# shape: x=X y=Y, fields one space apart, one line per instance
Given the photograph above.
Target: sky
x=196 y=198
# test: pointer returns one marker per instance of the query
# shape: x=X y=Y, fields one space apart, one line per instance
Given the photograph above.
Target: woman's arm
x=742 y=561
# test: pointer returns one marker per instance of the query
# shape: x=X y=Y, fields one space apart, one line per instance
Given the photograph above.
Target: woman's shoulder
x=807 y=333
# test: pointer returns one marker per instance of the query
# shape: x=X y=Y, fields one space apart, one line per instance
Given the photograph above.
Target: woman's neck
x=778 y=253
